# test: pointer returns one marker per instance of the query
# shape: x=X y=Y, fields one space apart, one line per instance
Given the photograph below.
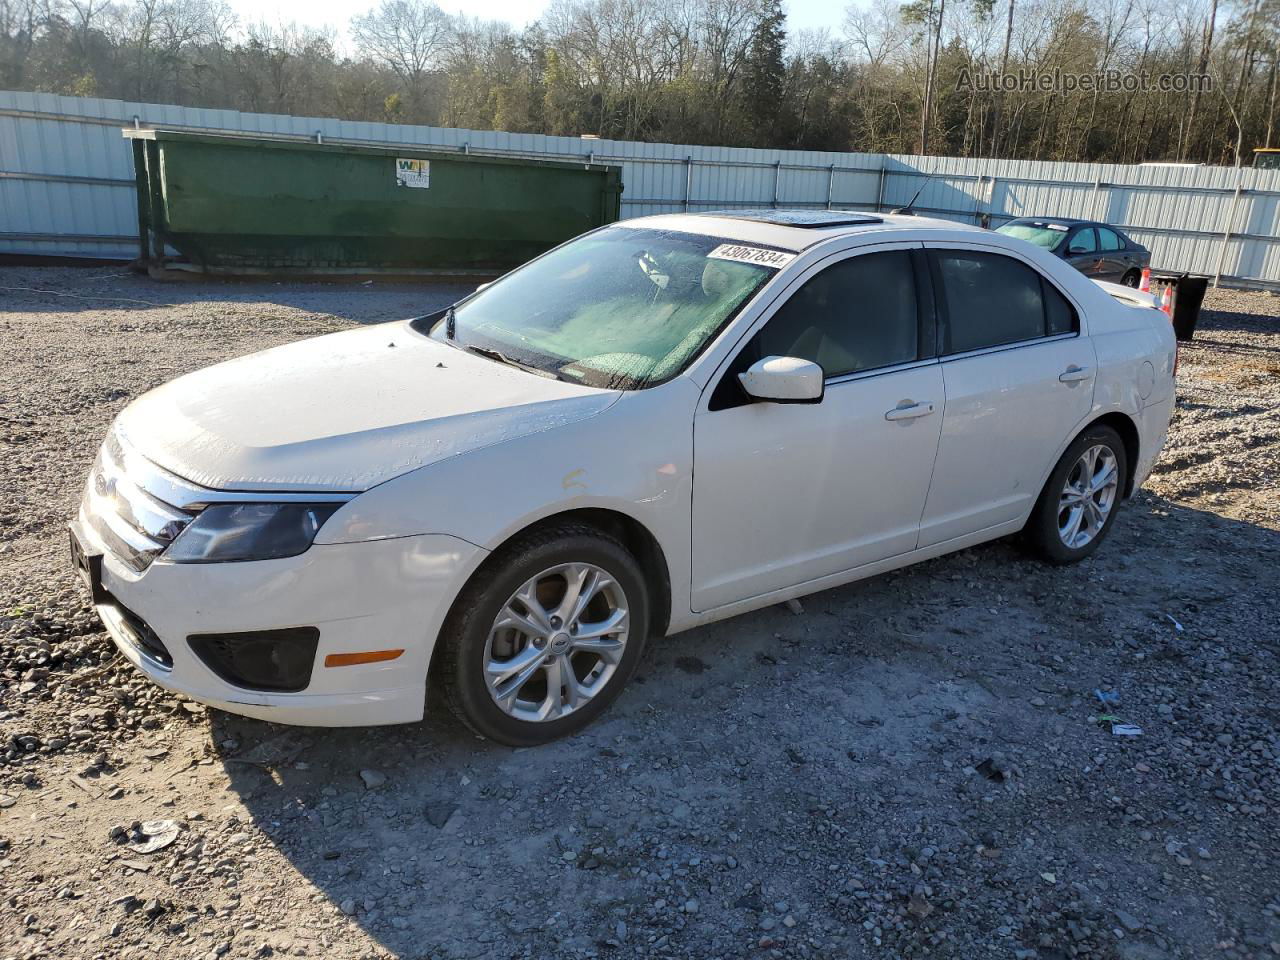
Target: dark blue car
x=1098 y=250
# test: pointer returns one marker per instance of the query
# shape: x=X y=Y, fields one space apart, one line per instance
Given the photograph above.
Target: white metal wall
x=1205 y=220
x=66 y=182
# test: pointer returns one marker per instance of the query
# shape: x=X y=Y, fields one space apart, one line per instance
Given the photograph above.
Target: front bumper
x=377 y=595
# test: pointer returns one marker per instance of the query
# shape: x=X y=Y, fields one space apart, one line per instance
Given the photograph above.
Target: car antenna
x=907 y=210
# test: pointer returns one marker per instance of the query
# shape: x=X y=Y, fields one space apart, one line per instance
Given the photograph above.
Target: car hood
x=343 y=412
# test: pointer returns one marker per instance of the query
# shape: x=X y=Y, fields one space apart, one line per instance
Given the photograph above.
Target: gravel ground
x=914 y=765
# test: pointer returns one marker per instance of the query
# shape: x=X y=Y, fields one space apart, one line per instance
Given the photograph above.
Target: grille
x=134 y=523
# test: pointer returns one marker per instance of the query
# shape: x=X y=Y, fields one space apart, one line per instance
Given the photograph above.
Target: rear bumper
x=378 y=595
x=1155 y=430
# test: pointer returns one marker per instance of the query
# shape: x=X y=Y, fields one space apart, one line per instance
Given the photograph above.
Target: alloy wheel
x=556 y=643
x=1088 y=496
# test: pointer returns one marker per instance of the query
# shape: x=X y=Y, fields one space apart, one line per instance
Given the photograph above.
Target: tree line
x=893 y=77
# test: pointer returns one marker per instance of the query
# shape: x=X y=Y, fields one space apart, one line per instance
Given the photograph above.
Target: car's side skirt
x=846 y=576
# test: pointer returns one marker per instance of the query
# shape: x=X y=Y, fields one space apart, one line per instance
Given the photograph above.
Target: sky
x=801 y=14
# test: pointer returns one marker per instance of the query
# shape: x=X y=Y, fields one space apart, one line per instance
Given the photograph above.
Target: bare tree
x=1202 y=66
x=998 y=108
x=876 y=32
x=687 y=71
x=726 y=28
x=408 y=36
x=20 y=20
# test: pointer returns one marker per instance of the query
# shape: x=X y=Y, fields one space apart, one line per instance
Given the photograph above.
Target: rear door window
x=1060 y=316
x=1109 y=240
x=991 y=300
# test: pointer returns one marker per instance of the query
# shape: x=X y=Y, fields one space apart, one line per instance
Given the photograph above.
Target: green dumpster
x=249 y=205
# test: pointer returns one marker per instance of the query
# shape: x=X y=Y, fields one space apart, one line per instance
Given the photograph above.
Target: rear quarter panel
x=1136 y=348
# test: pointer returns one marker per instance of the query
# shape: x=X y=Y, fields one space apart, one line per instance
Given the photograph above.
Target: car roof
x=793 y=229
x=806 y=219
x=1062 y=221
x=1069 y=222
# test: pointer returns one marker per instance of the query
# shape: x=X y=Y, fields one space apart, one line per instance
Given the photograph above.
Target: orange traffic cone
x=1145 y=285
x=1166 y=300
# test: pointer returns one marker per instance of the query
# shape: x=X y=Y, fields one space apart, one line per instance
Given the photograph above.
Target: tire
x=1131 y=279
x=549 y=558
x=1049 y=529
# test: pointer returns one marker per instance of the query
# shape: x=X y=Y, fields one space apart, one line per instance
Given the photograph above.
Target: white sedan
x=662 y=423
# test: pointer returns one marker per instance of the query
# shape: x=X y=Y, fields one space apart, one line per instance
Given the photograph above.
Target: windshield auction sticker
x=413 y=173
x=757 y=255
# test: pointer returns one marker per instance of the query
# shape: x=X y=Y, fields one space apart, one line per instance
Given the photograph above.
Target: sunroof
x=810 y=219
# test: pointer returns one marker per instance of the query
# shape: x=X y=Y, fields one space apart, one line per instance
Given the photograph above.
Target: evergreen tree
x=764 y=78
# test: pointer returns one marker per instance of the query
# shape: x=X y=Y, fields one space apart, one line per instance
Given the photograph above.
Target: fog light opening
x=272 y=660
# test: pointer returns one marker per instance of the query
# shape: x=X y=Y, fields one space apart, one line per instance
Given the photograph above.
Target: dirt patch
x=915 y=765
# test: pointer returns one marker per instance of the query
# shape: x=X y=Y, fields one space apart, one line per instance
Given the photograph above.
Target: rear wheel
x=1078 y=504
x=546 y=636
x=1131 y=279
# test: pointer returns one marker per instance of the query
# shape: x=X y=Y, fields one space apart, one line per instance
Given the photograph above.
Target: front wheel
x=1078 y=504
x=545 y=636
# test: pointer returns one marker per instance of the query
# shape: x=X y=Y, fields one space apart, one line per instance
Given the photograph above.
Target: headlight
x=249 y=531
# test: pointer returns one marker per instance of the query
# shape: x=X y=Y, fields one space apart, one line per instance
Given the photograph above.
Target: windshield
x=621 y=307
x=1047 y=235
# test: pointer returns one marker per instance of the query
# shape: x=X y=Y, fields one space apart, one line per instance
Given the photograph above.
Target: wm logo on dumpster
x=413 y=173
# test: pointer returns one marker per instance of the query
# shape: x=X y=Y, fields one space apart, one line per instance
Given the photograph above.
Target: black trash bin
x=1188 y=295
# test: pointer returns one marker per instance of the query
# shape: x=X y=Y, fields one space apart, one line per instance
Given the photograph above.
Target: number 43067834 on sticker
x=757 y=255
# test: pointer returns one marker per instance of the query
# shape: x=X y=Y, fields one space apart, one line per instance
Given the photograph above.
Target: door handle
x=1073 y=374
x=907 y=410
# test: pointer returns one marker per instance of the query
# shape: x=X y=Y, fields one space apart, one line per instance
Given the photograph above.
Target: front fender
x=636 y=458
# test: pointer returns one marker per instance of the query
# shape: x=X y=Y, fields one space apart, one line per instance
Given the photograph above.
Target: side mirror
x=784 y=380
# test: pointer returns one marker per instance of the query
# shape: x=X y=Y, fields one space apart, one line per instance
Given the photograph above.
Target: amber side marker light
x=352 y=659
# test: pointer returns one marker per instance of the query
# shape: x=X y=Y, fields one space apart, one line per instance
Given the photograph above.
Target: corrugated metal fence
x=67 y=187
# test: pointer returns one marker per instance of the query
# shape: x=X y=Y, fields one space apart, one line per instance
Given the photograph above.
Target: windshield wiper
x=501 y=357
x=450 y=323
